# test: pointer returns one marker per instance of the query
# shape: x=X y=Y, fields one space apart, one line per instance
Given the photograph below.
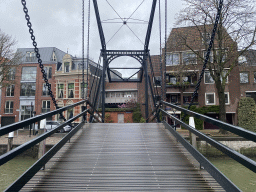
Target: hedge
x=247 y=113
x=202 y=110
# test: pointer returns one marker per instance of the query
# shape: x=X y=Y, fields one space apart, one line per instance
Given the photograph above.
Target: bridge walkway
x=122 y=157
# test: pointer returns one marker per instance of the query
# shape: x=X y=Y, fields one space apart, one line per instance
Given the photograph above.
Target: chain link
x=207 y=55
x=27 y=17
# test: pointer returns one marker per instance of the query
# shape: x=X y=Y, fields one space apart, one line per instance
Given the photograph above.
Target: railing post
x=105 y=62
x=10 y=141
x=191 y=135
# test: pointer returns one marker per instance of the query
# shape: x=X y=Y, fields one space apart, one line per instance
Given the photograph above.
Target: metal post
x=10 y=141
x=146 y=86
x=103 y=84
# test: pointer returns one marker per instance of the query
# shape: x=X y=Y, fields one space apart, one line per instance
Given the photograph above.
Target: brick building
x=182 y=73
x=69 y=83
x=28 y=94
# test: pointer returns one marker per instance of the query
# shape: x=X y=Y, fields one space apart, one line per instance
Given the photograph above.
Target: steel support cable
x=165 y=42
x=29 y=24
x=88 y=44
x=83 y=49
x=134 y=34
x=160 y=47
x=153 y=76
x=206 y=57
x=115 y=34
x=114 y=10
x=135 y=10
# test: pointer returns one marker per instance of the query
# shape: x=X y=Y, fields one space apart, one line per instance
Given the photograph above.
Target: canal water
x=11 y=170
x=238 y=174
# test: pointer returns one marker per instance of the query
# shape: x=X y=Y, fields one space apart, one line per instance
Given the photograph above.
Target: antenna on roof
x=67 y=50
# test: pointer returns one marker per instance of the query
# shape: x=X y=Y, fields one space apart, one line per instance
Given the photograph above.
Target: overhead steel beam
x=150 y=23
x=102 y=37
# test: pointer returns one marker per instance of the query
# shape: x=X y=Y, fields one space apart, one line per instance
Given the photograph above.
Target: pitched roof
x=46 y=54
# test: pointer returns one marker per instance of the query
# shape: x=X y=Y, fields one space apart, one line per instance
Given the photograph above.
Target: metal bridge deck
x=121 y=157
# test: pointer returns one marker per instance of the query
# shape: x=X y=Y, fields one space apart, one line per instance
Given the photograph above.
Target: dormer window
x=66 y=67
x=54 y=58
x=30 y=57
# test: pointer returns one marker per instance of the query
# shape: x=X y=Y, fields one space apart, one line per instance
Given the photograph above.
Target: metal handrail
x=232 y=128
x=12 y=127
x=25 y=177
x=247 y=162
x=18 y=150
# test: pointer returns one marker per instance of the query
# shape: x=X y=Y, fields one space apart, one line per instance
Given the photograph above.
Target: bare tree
x=9 y=59
x=234 y=36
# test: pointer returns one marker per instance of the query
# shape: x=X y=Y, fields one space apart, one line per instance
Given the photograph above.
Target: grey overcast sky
x=58 y=23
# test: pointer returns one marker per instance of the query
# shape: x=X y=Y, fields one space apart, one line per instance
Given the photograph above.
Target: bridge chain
x=31 y=31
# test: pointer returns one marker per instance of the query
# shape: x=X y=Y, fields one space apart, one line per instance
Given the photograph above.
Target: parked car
x=53 y=124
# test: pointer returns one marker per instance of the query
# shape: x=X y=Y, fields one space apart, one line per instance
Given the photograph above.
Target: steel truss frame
x=142 y=56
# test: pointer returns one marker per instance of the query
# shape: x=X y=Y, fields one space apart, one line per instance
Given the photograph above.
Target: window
x=208 y=78
x=59 y=66
x=158 y=81
x=210 y=98
x=66 y=67
x=70 y=113
x=242 y=60
x=31 y=57
x=60 y=90
x=252 y=95
x=28 y=73
x=174 y=98
x=227 y=98
x=189 y=58
x=45 y=90
x=244 y=77
x=206 y=38
x=224 y=74
x=107 y=95
x=73 y=66
x=112 y=94
x=223 y=55
x=254 y=75
x=71 y=90
x=8 y=107
x=187 y=99
x=10 y=91
x=11 y=74
x=210 y=56
x=173 y=59
x=117 y=94
x=54 y=58
x=27 y=89
x=46 y=106
x=173 y=79
x=48 y=72
x=85 y=89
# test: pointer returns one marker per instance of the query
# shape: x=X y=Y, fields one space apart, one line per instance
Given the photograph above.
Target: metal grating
x=121 y=157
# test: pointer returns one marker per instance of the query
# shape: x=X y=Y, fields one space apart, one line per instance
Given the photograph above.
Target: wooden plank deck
x=121 y=157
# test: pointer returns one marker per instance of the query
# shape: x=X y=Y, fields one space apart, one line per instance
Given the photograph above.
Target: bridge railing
x=22 y=180
x=217 y=175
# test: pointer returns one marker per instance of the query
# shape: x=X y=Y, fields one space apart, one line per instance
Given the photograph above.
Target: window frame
x=58 y=90
x=71 y=89
x=48 y=71
x=210 y=77
x=47 y=92
x=12 y=89
x=9 y=107
x=25 y=72
x=247 y=77
x=65 y=69
x=26 y=86
x=46 y=109
x=186 y=53
x=81 y=89
x=228 y=103
x=158 y=78
x=214 y=98
x=169 y=61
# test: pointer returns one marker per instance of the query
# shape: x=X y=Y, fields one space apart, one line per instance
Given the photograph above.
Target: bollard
x=10 y=141
x=192 y=136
